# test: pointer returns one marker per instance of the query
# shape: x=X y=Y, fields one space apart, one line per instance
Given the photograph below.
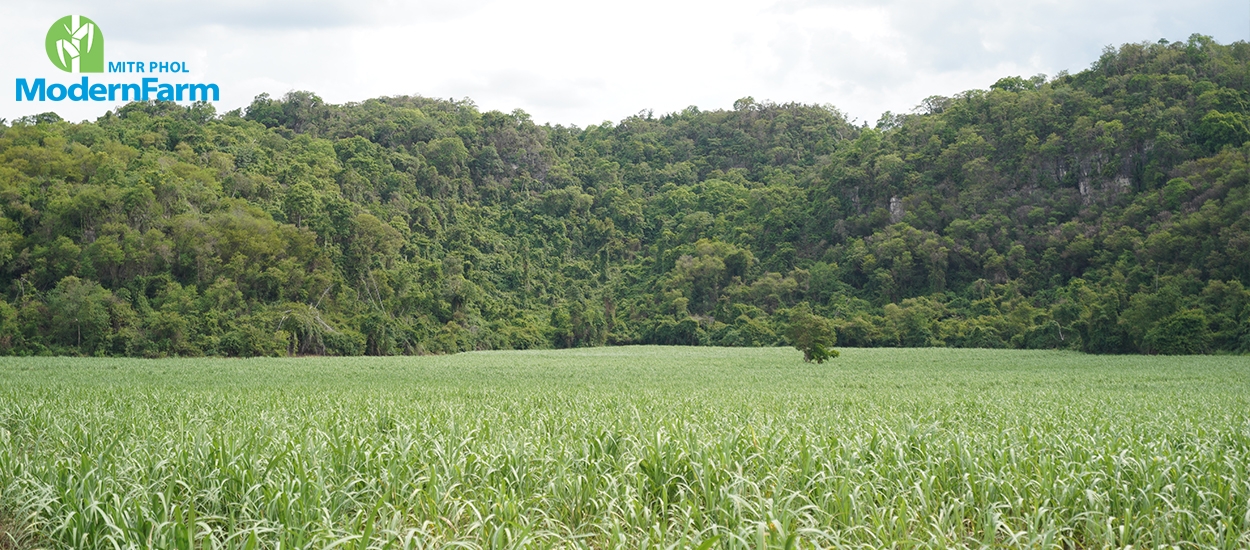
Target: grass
x=631 y=448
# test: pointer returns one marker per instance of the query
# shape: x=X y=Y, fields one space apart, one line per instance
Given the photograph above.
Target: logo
x=76 y=45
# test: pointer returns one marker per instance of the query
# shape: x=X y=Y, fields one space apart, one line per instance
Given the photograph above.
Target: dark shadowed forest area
x=1105 y=211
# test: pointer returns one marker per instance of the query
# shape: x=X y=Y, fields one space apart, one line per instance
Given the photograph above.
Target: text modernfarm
x=147 y=89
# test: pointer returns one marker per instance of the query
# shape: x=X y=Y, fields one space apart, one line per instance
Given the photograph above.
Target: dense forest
x=1106 y=211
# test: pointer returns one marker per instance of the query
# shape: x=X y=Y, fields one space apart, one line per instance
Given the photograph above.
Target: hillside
x=1106 y=211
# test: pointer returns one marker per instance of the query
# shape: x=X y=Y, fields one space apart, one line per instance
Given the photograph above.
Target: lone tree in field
x=811 y=334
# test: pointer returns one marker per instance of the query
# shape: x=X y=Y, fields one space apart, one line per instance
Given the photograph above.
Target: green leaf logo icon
x=76 y=45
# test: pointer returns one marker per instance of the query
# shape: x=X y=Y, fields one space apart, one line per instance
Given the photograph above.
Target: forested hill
x=1105 y=211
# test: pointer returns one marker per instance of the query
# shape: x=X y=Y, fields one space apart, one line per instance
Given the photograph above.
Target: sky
x=579 y=62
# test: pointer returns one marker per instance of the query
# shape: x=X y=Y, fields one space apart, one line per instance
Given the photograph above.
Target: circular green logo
x=76 y=45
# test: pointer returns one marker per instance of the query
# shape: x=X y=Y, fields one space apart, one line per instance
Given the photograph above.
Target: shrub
x=1184 y=333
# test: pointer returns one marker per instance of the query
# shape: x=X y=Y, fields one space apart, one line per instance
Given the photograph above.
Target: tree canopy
x=1106 y=211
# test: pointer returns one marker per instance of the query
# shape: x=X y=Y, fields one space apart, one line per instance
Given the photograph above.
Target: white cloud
x=577 y=62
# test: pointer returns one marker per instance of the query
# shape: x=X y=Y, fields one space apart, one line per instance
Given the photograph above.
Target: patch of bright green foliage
x=630 y=447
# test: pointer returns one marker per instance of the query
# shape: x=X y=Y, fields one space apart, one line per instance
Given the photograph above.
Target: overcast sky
x=583 y=62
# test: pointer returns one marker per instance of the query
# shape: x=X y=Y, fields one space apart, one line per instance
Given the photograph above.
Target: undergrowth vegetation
x=636 y=447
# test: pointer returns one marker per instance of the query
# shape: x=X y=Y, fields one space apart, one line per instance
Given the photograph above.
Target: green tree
x=300 y=203
x=811 y=334
x=80 y=314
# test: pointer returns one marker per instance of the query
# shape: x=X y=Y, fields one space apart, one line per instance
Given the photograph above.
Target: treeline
x=1105 y=211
